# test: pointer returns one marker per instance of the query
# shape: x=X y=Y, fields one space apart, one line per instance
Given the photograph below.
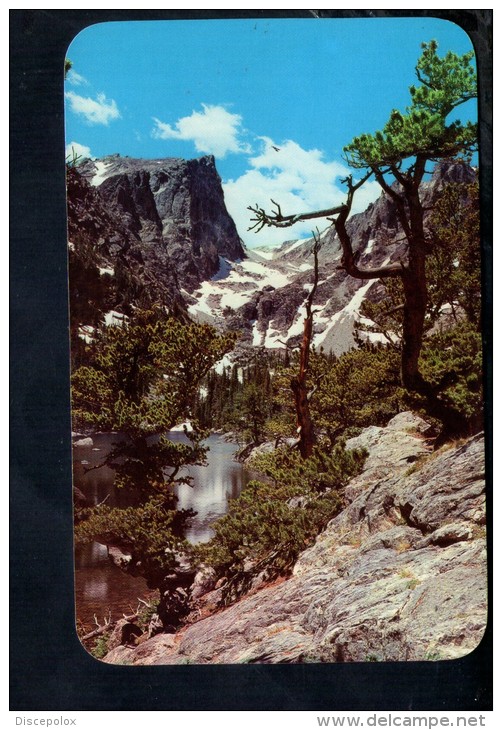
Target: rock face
x=110 y=270
x=173 y=205
x=142 y=233
x=399 y=574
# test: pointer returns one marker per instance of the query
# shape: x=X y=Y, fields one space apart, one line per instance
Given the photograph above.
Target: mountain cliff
x=170 y=204
x=142 y=233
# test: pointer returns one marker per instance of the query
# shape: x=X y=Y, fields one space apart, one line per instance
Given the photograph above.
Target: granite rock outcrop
x=399 y=574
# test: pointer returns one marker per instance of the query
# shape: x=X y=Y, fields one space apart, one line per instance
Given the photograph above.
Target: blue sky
x=238 y=88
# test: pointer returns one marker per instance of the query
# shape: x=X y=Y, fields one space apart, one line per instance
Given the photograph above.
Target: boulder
x=204 y=581
x=84 y=442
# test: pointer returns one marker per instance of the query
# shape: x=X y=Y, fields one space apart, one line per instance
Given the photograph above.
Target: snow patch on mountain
x=338 y=334
x=86 y=333
x=106 y=270
x=273 y=338
x=234 y=285
x=297 y=325
x=258 y=336
x=223 y=364
x=370 y=246
x=114 y=319
x=101 y=172
x=293 y=246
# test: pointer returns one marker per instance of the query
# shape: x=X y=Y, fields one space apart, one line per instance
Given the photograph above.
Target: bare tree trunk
x=412 y=273
x=299 y=388
x=415 y=303
x=299 y=383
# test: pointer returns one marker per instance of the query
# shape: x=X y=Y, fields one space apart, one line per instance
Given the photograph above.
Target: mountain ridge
x=157 y=231
x=272 y=315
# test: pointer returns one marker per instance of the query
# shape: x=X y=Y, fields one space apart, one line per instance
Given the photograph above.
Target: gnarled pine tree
x=397 y=158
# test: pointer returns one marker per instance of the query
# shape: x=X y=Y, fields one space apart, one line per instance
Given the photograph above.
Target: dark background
x=49 y=668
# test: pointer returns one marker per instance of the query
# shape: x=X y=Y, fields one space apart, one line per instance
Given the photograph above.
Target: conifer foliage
x=143 y=381
x=273 y=520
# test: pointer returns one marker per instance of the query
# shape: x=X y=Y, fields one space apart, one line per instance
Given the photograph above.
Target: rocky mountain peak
x=173 y=204
x=453 y=171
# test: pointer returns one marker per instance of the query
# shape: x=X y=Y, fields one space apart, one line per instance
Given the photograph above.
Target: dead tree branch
x=277 y=220
x=108 y=624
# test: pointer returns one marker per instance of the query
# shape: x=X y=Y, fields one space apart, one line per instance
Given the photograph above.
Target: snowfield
x=100 y=174
x=234 y=285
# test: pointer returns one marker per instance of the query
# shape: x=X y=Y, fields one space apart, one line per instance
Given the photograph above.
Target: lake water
x=99 y=585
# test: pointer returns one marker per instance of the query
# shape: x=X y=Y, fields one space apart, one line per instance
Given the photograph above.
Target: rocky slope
x=399 y=574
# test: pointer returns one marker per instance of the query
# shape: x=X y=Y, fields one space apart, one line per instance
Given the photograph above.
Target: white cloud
x=213 y=131
x=76 y=79
x=80 y=150
x=299 y=180
x=366 y=194
x=96 y=111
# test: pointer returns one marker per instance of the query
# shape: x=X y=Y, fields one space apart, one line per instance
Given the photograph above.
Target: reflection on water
x=101 y=588
x=99 y=584
x=213 y=485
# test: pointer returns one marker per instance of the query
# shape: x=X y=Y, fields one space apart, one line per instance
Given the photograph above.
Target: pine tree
x=145 y=379
x=398 y=154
